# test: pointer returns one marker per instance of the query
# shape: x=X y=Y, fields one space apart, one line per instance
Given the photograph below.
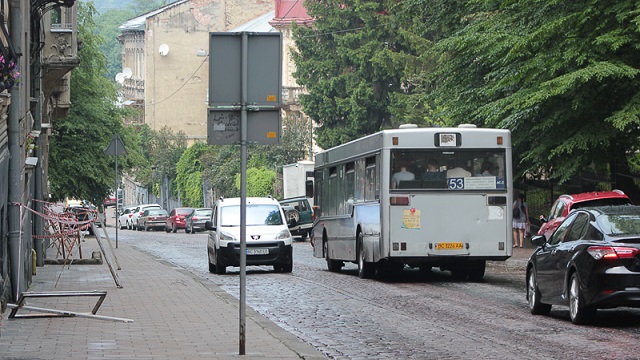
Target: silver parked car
x=196 y=219
x=153 y=218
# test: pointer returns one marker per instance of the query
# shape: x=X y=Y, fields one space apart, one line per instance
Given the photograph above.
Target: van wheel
x=220 y=269
x=332 y=265
x=366 y=270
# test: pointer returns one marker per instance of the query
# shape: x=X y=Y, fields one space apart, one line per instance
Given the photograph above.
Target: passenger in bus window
x=402 y=175
x=488 y=169
x=433 y=171
x=458 y=172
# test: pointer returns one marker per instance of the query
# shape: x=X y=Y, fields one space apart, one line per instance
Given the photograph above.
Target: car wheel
x=533 y=296
x=146 y=228
x=579 y=312
x=120 y=225
x=212 y=268
x=366 y=270
x=173 y=228
x=167 y=229
x=332 y=265
x=186 y=229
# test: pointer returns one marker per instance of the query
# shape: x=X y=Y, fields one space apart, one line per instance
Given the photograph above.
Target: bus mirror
x=308 y=185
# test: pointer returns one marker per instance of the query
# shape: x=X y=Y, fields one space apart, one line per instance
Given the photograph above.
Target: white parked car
x=139 y=210
x=124 y=220
x=268 y=237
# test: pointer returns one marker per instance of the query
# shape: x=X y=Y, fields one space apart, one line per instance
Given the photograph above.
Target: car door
x=565 y=252
x=546 y=262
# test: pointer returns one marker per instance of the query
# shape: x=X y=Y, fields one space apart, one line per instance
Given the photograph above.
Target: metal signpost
x=116 y=148
x=245 y=88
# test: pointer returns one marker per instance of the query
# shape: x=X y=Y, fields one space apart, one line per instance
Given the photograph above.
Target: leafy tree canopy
x=562 y=76
x=81 y=168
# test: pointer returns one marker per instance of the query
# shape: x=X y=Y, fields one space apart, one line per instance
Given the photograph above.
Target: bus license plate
x=257 y=251
x=449 y=246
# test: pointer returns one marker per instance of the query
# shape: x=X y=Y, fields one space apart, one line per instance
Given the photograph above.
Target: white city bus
x=455 y=217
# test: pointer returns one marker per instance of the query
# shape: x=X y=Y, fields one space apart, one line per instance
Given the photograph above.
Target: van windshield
x=256 y=215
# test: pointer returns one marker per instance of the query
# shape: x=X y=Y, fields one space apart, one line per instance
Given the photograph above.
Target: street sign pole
x=245 y=88
x=243 y=197
x=116 y=148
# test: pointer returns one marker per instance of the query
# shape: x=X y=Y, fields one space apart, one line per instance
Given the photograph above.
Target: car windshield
x=157 y=212
x=183 y=211
x=202 y=213
x=256 y=215
x=617 y=225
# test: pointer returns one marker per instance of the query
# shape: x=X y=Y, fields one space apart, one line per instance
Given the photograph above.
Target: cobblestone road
x=417 y=316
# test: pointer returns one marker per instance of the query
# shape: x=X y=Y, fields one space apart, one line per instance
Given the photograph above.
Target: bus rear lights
x=394 y=140
x=395 y=246
x=499 y=140
x=402 y=246
x=399 y=200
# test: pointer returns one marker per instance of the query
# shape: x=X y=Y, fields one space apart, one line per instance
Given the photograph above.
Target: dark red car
x=565 y=203
x=176 y=218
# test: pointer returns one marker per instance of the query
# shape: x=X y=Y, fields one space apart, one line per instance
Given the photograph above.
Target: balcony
x=59 y=54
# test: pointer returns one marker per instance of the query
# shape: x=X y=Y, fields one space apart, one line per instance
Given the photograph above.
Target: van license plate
x=449 y=246
x=257 y=251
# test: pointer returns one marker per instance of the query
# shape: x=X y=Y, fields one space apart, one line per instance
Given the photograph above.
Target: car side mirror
x=538 y=240
x=543 y=219
x=209 y=225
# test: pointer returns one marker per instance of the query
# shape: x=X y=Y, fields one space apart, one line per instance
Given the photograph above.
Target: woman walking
x=520 y=220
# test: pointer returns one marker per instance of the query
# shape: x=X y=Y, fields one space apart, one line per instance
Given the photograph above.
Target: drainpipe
x=15 y=166
x=38 y=221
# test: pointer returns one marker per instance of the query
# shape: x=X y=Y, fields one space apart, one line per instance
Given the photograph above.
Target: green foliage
x=107 y=24
x=80 y=169
x=259 y=181
x=189 y=175
x=562 y=76
x=351 y=62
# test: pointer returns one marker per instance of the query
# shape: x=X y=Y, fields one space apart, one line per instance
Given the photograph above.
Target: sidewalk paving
x=176 y=315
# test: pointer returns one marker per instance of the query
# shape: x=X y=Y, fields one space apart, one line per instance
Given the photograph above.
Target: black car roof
x=614 y=210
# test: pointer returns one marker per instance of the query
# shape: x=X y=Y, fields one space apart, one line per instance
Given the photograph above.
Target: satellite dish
x=126 y=72
x=164 y=49
x=120 y=77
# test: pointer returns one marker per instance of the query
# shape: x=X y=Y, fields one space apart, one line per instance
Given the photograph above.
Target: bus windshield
x=448 y=169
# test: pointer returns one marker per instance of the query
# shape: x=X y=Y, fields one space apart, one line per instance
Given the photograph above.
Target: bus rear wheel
x=332 y=265
x=366 y=270
x=476 y=269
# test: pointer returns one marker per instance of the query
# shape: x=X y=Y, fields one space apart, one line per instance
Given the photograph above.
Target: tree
x=108 y=24
x=166 y=150
x=260 y=181
x=350 y=62
x=80 y=169
x=189 y=175
x=562 y=76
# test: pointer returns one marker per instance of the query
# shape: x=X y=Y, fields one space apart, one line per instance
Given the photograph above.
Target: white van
x=268 y=238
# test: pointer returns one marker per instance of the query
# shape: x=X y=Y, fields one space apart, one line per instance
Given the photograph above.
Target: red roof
x=288 y=11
